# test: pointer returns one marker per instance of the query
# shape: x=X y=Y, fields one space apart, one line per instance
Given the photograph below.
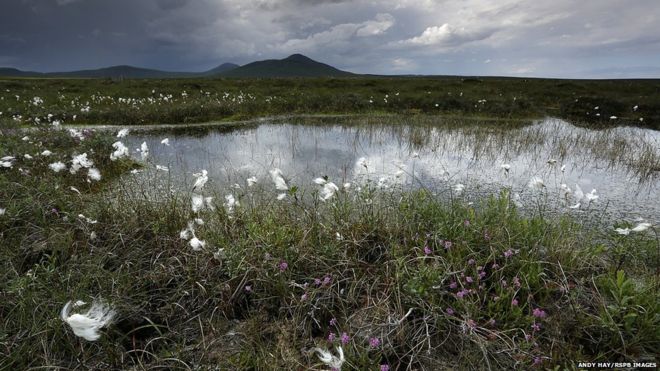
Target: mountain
x=220 y=69
x=128 y=72
x=296 y=65
x=13 y=72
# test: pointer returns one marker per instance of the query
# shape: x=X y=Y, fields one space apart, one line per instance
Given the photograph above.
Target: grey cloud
x=171 y=4
x=559 y=38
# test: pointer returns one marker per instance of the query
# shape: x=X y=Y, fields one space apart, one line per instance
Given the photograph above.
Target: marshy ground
x=397 y=234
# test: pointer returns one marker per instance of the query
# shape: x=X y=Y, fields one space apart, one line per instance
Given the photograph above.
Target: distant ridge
x=116 y=72
x=296 y=65
x=221 y=69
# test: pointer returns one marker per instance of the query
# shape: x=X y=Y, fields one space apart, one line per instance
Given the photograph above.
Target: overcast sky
x=553 y=38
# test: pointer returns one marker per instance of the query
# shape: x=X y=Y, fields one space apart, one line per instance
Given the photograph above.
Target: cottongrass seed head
x=87 y=325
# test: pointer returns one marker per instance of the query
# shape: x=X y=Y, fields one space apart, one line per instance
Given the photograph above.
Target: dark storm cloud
x=500 y=37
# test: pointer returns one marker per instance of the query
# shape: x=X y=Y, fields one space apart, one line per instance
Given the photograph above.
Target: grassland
x=396 y=278
x=181 y=101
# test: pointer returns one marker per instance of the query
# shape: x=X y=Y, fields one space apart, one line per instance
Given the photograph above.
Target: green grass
x=235 y=99
x=179 y=308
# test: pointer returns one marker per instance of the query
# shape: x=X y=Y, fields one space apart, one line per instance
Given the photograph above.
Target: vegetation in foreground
x=398 y=280
x=597 y=103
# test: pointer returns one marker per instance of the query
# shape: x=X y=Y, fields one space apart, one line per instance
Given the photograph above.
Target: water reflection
x=622 y=163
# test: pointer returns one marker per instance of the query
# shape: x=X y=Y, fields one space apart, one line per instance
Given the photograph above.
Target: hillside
x=225 y=67
x=296 y=65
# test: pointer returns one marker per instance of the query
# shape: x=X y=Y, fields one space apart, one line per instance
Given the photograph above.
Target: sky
x=554 y=38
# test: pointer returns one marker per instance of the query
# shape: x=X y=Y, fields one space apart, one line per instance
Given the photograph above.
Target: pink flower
x=374 y=342
x=283 y=265
x=448 y=245
x=508 y=253
x=539 y=313
x=538 y=361
x=427 y=250
x=495 y=266
x=450 y=311
x=384 y=368
x=248 y=288
x=471 y=324
x=466 y=223
x=462 y=293
x=516 y=282
x=333 y=322
x=453 y=285
x=528 y=337
x=317 y=282
x=536 y=327
x=327 y=280
x=482 y=274
x=345 y=338
x=331 y=337
x=514 y=302
x=303 y=297
x=471 y=262
x=469 y=279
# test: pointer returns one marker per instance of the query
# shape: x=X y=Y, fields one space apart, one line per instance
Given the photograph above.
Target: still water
x=621 y=164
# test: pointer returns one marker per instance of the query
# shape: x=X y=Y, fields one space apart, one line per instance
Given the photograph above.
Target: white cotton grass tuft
x=187 y=233
x=144 y=151
x=280 y=183
x=579 y=196
x=3 y=211
x=7 y=161
x=230 y=203
x=46 y=153
x=622 y=231
x=199 y=203
x=94 y=174
x=281 y=196
x=641 y=227
x=87 y=325
x=197 y=244
x=162 y=168
x=320 y=181
x=330 y=359
x=57 y=166
x=122 y=133
x=506 y=167
x=251 y=181
x=165 y=141
x=328 y=191
x=458 y=188
x=536 y=183
x=80 y=161
x=120 y=151
x=201 y=179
